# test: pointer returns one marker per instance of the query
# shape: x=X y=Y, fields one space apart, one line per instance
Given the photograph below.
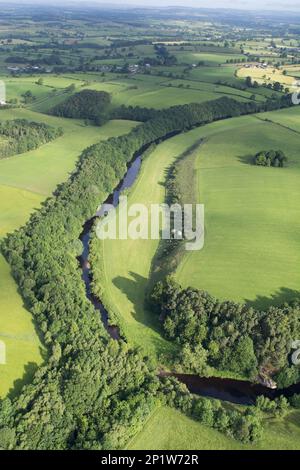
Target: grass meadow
x=138 y=90
x=169 y=429
x=252 y=244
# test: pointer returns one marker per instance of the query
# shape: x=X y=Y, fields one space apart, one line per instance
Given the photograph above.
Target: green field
x=252 y=224
x=212 y=74
x=25 y=181
x=17 y=331
x=289 y=118
x=155 y=92
x=209 y=58
x=196 y=85
x=124 y=278
x=42 y=169
x=169 y=429
x=23 y=349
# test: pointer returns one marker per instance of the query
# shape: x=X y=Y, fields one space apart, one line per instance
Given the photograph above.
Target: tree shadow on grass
x=246 y=159
x=29 y=370
x=42 y=350
x=31 y=367
x=279 y=298
x=294 y=418
x=136 y=290
x=26 y=307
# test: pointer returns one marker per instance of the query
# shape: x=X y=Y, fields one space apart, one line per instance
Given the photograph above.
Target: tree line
x=20 y=135
x=96 y=106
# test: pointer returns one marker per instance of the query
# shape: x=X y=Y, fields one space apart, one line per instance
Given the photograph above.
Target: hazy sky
x=252 y=4
x=291 y=5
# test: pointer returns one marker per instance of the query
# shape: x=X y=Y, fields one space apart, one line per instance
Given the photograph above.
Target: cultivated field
x=266 y=75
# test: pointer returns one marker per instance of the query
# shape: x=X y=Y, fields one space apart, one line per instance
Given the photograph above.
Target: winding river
x=85 y=237
x=231 y=390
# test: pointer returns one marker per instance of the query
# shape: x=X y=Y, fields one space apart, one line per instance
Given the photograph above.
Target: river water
x=85 y=237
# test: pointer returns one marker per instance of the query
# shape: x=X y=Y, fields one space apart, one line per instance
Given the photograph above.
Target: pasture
x=42 y=169
x=287 y=118
x=210 y=59
x=175 y=87
x=169 y=429
x=252 y=228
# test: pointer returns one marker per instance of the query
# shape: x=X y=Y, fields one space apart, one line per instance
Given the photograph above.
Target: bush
x=274 y=158
x=295 y=401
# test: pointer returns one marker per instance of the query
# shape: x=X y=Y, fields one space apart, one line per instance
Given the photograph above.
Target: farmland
x=124 y=280
x=226 y=181
x=169 y=429
x=223 y=85
x=143 y=90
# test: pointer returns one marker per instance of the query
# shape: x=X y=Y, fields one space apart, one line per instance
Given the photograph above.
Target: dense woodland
x=93 y=392
x=135 y=113
x=227 y=335
x=87 y=104
x=19 y=136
